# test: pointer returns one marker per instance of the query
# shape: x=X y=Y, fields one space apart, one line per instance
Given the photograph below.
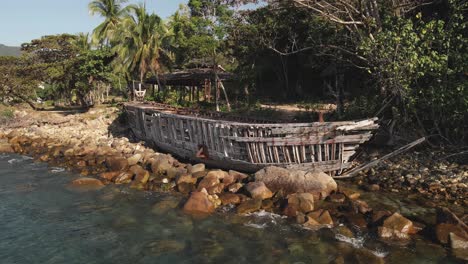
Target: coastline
x=96 y=145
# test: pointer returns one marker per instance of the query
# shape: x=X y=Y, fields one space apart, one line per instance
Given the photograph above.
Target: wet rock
x=116 y=163
x=258 y=190
x=344 y=231
x=208 y=181
x=235 y=187
x=219 y=174
x=351 y=194
x=229 y=198
x=200 y=167
x=249 y=206
x=141 y=175
x=379 y=216
x=162 y=163
x=361 y=206
x=86 y=183
x=458 y=242
x=198 y=203
x=396 y=227
x=175 y=172
x=162 y=207
x=365 y=256
x=300 y=202
x=133 y=160
x=218 y=188
x=185 y=187
x=337 y=198
x=322 y=217
x=292 y=181
x=356 y=220
x=238 y=176
x=228 y=180
x=443 y=231
x=123 y=178
x=109 y=176
x=161 y=247
x=199 y=174
x=372 y=187
x=186 y=178
x=6 y=148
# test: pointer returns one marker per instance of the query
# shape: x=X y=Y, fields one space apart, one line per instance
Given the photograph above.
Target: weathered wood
x=355 y=171
x=250 y=146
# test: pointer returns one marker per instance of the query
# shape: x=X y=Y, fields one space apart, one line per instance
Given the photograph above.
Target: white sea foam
x=18 y=160
x=357 y=242
x=380 y=253
x=258 y=226
x=57 y=169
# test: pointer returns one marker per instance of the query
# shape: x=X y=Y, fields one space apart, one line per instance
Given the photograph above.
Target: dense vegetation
x=402 y=60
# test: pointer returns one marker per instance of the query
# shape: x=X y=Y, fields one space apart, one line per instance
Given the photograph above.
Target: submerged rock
x=86 y=183
x=116 y=163
x=199 y=203
x=299 y=202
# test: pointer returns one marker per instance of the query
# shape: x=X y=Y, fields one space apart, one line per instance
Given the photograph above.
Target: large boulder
x=317 y=183
x=396 y=227
x=199 y=203
x=258 y=190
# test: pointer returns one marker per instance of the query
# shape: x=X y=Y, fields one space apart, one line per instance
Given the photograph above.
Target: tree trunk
x=26 y=100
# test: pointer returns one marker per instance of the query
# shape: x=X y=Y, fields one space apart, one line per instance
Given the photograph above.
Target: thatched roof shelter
x=191 y=77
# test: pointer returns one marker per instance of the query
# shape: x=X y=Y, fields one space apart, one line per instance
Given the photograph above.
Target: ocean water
x=42 y=220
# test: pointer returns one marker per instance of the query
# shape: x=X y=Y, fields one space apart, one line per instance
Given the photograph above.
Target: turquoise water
x=43 y=221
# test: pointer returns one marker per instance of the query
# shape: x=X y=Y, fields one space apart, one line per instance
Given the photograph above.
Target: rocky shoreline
x=95 y=144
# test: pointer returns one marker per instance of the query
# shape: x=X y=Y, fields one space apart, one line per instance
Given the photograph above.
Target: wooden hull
x=250 y=146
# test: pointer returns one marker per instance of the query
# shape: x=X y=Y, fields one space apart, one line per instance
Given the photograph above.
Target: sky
x=24 y=20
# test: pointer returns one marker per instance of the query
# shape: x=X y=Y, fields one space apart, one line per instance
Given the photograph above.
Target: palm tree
x=139 y=43
x=112 y=11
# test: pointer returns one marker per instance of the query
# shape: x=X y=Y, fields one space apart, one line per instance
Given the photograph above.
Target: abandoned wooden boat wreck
x=243 y=144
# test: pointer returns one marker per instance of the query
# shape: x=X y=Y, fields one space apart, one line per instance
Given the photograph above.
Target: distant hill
x=9 y=51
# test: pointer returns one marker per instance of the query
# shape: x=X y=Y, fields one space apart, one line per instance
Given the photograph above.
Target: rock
x=258 y=190
x=165 y=247
x=116 y=163
x=344 y=231
x=443 y=231
x=185 y=187
x=228 y=180
x=161 y=164
x=365 y=256
x=174 y=172
x=198 y=203
x=372 y=187
x=200 y=167
x=86 y=183
x=229 y=198
x=162 y=207
x=6 y=148
x=337 y=198
x=361 y=206
x=123 y=178
x=292 y=181
x=302 y=202
x=396 y=227
x=220 y=174
x=378 y=216
x=312 y=223
x=199 y=174
x=238 y=176
x=249 y=206
x=351 y=194
x=141 y=175
x=208 y=181
x=218 y=188
x=109 y=176
x=322 y=217
x=356 y=220
x=186 y=178
x=459 y=246
x=133 y=160
x=235 y=187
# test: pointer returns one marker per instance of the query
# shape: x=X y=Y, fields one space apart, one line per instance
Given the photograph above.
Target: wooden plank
x=276 y=141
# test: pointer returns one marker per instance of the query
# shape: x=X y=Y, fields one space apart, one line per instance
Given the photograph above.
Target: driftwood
x=354 y=172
